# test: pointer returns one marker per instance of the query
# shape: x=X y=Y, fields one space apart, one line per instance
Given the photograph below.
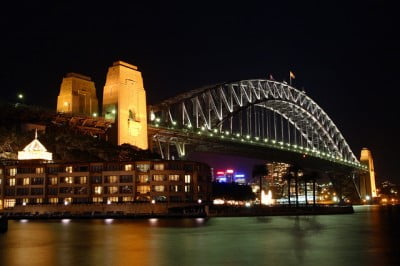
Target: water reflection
x=368 y=237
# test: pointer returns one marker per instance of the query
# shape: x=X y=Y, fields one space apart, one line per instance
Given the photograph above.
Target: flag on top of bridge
x=271 y=77
x=292 y=76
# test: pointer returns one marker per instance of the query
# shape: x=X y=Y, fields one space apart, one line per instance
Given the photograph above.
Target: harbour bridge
x=258 y=118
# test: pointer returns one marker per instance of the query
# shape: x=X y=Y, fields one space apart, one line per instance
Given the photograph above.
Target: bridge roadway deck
x=205 y=143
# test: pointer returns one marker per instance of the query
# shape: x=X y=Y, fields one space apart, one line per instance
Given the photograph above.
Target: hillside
x=65 y=144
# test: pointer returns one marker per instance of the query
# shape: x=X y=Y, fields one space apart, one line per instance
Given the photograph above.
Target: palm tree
x=294 y=172
x=314 y=176
x=288 y=177
x=260 y=170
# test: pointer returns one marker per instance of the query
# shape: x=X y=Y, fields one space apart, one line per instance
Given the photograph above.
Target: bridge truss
x=259 y=112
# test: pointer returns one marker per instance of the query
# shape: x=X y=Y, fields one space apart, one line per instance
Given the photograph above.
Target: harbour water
x=370 y=236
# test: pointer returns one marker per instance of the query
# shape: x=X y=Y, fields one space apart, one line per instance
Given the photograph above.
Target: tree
x=293 y=172
x=259 y=170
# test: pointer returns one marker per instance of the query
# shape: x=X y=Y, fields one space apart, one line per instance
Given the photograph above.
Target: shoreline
x=195 y=211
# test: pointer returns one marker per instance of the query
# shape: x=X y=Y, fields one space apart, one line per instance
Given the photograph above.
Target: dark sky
x=344 y=53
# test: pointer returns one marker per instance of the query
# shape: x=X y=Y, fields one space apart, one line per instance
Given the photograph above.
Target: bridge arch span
x=257 y=108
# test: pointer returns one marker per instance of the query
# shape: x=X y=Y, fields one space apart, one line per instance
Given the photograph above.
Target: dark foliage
x=232 y=191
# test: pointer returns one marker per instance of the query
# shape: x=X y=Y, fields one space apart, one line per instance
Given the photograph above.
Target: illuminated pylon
x=367 y=181
x=124 y=103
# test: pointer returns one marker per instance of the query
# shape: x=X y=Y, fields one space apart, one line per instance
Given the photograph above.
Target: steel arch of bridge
x=302 y=123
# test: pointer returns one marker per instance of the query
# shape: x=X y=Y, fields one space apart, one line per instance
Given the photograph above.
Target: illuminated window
x=26 y=181
x=143 y=189
x=127 y=199
x=187 y=179
x=68 y=169
x=67 y=201
x=53 y=200
x=187 y=188
x=25 y=201
x=97 y=200
x=39 y=200
x=112 y=190
x=98 y=190
x=1 y=171
x=13 y=171
x=143 y=178
x=158 y=177
x=143 y=167
x=173 y=177
x=112 y=179
x=39 y=170
x=9 y=203
x=128 y=167
x=159 y=188
x=11 y=182
x=68 y=179
x=158 y=166
x=0 y=181
x=82 y=180
x=53 y=180
x=112 y=199
x=174 y=188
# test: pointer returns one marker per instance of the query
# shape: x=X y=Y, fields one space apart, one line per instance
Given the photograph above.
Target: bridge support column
x=367 y=180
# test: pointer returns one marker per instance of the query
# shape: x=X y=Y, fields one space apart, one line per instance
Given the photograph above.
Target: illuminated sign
x=229 y=171
x=220 y=172
x=239 y=175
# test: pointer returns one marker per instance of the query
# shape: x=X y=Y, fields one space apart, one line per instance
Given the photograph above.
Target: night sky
x=345 y=55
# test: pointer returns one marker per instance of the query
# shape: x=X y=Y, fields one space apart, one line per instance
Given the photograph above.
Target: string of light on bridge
x=227 y=136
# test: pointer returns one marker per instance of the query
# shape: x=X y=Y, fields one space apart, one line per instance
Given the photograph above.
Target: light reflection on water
x=368 y=237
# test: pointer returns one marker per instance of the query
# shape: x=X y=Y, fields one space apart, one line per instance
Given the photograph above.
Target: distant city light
x=239 y=175
x=229 y=171
x=20 y=96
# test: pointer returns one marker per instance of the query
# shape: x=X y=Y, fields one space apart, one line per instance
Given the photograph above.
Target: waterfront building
x=33 y=182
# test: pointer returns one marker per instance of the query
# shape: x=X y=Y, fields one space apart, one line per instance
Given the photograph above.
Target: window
x=159 y=188
x=97 y=179
x=127 y=199
x=82 y=180
x=143 y=178
x=80 y=190
x=187 y=179
x=66 y=190
x=66 y=179
x=98 y=190
x=187 y=188
x=68 y=169
x=1 y=171
x=39 y=200
x=53 y=180
x=126 y=189
x=128 y=167
x=175 y=188
x=158 y=166
x=53 y=200
x=37 y=180
x=143 y=167
x=112 y=190
x=37 y=191
x=96 y=168
x=52 y=191
x=25 y=201
x=112 y=199
x=26 y=181
x=22 y=191
x=13 y=171
x=9 y=203
x=97 y=200
x=112 y=179
x=39 y=170
x=126 y=178
x=158 y=177
x=143 y=189
x=173 y=177
x=11 y=182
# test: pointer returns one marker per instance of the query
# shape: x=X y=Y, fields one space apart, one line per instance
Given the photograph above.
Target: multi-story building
x=34 y=182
